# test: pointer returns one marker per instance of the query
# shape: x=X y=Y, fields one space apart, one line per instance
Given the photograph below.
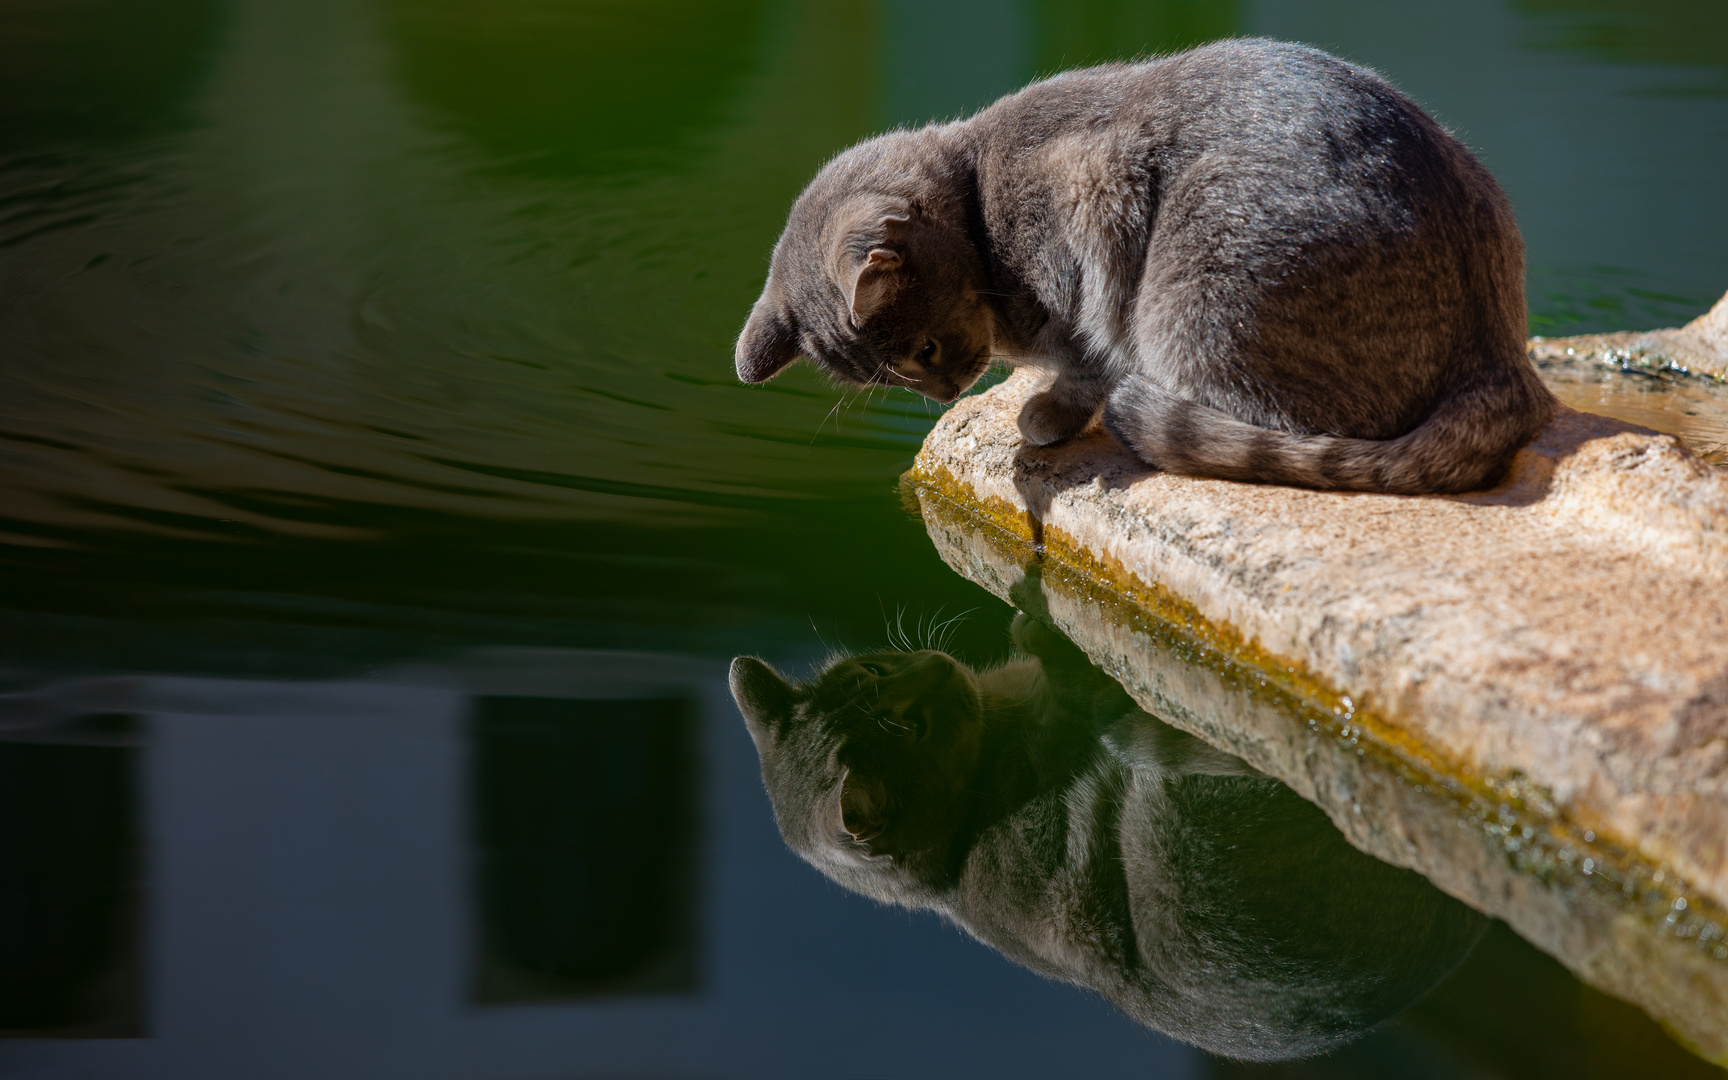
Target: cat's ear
x=763 y=697
x=874 y=283
x=881 y=228
x=863 y=807
x=769 y=342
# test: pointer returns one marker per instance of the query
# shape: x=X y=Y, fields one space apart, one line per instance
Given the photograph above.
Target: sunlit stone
x=1545 y=663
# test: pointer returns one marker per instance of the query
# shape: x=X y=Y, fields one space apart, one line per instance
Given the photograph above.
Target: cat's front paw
x=1027 y=594
x=1048 y=418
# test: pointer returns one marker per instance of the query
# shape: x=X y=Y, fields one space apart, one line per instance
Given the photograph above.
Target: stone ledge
x=1544 y=664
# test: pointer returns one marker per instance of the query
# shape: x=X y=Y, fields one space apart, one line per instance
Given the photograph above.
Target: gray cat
x=1257 y=261
x=1035 y=807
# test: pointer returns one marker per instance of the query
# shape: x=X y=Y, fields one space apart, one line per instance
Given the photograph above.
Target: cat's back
x=1237 y=80
x=1275 y=98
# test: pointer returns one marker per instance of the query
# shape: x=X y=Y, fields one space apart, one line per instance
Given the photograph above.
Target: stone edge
x=1552 y=856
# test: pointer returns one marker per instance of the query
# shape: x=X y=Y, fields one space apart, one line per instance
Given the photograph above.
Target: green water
x=343 y=336
x=411 y=317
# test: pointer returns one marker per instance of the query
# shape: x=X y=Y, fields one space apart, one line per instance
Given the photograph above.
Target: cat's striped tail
x=1465 y=444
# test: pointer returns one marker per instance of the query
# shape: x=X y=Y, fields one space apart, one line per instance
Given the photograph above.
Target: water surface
x=384 y=346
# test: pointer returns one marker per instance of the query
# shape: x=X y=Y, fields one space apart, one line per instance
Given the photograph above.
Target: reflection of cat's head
x=1092 y=842
x=867 y=764
x=873 y=280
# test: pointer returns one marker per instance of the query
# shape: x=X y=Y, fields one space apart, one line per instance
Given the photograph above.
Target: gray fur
x=1036 y=808
x=1252 y=260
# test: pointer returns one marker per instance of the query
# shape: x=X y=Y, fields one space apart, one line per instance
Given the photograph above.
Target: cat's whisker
x=825 y=419
x=900 y=630
x=890 y=726
x=896 y=629
x=823 y=641
x=841 y=406
x=949 y=627
x=847 y=403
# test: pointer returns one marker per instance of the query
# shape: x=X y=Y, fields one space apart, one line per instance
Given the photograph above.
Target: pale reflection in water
x=503 y=863
x=1035 y=806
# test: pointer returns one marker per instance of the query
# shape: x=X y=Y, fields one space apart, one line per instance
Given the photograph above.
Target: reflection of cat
x=1256 y=261
x=1037 y=808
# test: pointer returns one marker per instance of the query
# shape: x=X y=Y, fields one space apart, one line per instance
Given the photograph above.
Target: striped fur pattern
x=1035 y=807
x=1251 y=261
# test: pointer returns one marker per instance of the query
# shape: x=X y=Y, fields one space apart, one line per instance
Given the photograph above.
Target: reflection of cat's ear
x=874 y=284
x=863 y=806
x=769 y=342
x=763 y=697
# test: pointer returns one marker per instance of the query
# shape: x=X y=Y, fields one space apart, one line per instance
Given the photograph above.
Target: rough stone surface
x=1520 y=693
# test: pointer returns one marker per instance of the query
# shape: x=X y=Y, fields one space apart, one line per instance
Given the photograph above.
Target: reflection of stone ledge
x=1521 y=693
x=1701 y=346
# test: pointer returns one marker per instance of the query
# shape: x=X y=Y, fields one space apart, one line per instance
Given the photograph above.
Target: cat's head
x=877 y=289
x=867 y=765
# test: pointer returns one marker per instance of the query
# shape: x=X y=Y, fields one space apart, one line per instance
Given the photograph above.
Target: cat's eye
x=873 y=668
x=928 y=351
